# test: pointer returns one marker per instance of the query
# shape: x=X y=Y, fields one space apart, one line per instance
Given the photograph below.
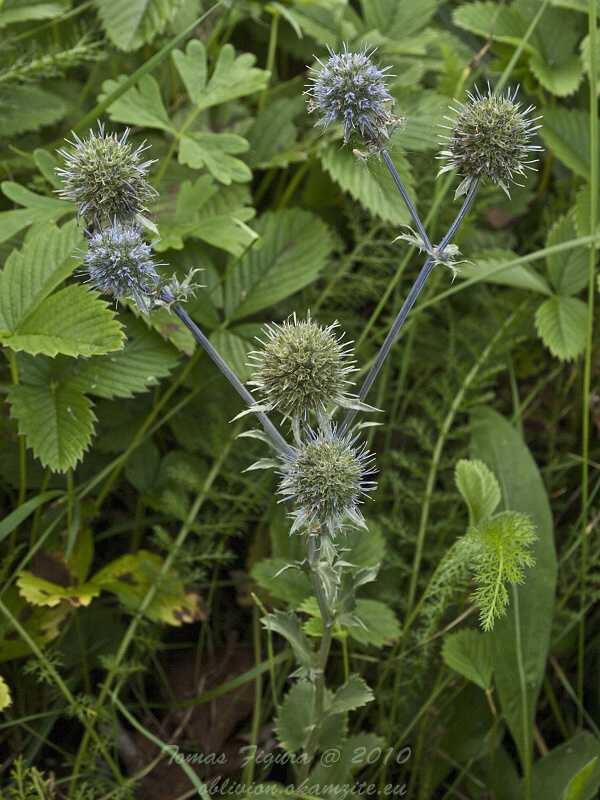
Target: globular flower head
x=349 y=88
x=326 y=478
x=490 y=137
x=302 y=368
x=105 y=175
x=119 y=262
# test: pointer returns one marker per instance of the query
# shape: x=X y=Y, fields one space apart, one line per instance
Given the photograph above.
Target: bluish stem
x=415 y=291
x=233 y=379
x=406 y=197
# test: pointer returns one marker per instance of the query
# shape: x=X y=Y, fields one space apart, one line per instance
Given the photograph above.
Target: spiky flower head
x=106 y=177
x=490 y=138
x=119 y=262
x=326 y=478
x=302 y=368
x=349 y=88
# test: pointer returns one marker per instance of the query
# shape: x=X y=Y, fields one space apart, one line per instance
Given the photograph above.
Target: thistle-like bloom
x=326 y=479
x=105 y=175
x=350 y=89
x=302 y=368
x=490 y=138
x=119 y=262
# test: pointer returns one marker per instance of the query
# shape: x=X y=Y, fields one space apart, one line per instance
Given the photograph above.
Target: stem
x=233 y=379
x=587 y=368
x=14 y=374
x=322 y=656
x=270 y=56
x=415 y=291
x=406 y=197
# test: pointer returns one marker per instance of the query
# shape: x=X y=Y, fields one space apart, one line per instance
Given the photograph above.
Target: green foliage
x=469 y=653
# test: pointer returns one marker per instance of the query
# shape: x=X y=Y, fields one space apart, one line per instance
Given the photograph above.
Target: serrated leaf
x=568 y=272
x=583 y=212
x=145 y=359
x=484 y=268
x=295 y=716
x=562 y=79
x=5 y=696
x=469 y=653
x=30 y=274
x=41 y=592
x=398 y=19
x=287 y=624
x=233 y=76
x=28 y=108
x=488 y=19
x=56 y=419
x=352 y=695
x=561 y=323
x=136 y=22
x=369 y=182
x=294 y=248
x=479 y=488
x=216 y=151
x=567 y=133
x=289 y=585
x=73 y=322
x=234 y=349
x=141 y=105
x=272 y=137
x=371 y=622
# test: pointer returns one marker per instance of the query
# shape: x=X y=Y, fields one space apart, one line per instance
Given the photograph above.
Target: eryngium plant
x=325 y=479
x=348 y=88
x=106 y=177
x=118 y=262
x=302 y=368
x=490 y=138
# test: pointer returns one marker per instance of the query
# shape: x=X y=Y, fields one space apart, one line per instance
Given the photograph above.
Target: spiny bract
x=105 y=176
x=301 y=368
x=350 y=89
x=119 y=262
x=326 y=479
x=490 y=138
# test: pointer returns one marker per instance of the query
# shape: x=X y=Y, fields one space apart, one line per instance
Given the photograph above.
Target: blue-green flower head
x=326 y=479
x=119 y=262
x=302 y=368
x=106 y=177
x=350 y=89
x=490 y=137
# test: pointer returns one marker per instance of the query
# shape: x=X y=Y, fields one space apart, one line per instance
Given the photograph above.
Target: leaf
x=215 y=152
x=295 y=716
x=30 y=274
x=352 y=755
x=132 y=576
x=56 y=419
x=41 y=592
x=136 y=22
x=561 y=323
x=579 y=786
x=234 y=349
x=294 y=248
x=233 y=76
x=567 y=133
x=520 y=640
x=142 y=105
x=352 y=695
x=398 y=19
x=564 y=767
x=290 y=585
x=73 y=321
x=272 y=137
x=519 y=276
x=28 y=108
x=287 y=624
x=422 y=112
x=562 y=79
x=5 y=696
x=24 y=12
x=469 y=653
x=369 y=182
x=371 y=623
x=488 y=19
x=20 y=514
x=479 y=489
x=568 y=272
x=145 y=359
